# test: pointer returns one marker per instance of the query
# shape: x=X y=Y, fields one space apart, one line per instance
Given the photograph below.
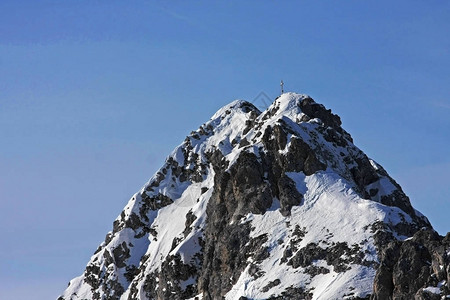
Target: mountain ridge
x=278 y=204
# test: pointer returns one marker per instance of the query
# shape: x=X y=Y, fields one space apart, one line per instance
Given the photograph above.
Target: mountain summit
x=278 y=204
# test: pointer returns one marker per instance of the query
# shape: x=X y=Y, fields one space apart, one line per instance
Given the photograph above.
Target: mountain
x=278 y=204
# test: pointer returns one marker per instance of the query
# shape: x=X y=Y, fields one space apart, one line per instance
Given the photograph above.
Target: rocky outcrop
x=417 y=268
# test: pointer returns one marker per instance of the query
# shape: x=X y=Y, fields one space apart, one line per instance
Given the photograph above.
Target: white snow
x=384 y=186
x=335 y=285
x=433 y=290
x=329 y=203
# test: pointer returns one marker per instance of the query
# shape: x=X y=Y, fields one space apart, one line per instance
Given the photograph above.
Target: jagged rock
x=271 y=285
x=288 y=195
x=411 y=269
x=292 y=293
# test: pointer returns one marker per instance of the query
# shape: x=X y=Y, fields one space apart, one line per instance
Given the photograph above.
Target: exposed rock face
x=417 y=268
x=277 y=204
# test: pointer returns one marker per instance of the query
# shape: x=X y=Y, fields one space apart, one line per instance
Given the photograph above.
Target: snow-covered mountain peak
x=287 y=104
x=236 y=106
x=278 y=204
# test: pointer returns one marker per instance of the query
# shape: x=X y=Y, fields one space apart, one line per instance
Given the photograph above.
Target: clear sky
x=95 y=94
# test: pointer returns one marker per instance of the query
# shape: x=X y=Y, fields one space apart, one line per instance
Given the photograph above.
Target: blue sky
x=95 y=94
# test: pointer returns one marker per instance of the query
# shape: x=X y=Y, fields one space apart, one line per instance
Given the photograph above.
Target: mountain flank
x=278 y=204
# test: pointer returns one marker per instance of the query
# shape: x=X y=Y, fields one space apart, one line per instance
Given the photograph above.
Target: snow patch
x=432 y=290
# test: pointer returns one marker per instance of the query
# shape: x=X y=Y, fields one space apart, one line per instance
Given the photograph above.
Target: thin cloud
x=441 y=104
x=192 y=23
x=176 y=15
